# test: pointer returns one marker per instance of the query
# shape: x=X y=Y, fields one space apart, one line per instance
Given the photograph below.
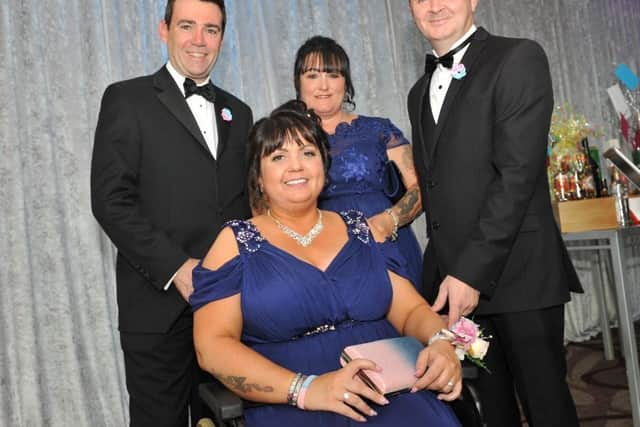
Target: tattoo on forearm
x=408 y=206
x=240 y=384
x=407 y=158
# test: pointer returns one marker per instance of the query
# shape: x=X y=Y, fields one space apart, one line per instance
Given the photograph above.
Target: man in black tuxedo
x=480 y=118
x=168 y=170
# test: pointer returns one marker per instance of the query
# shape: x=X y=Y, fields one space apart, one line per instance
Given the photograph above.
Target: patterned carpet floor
x=599 y=387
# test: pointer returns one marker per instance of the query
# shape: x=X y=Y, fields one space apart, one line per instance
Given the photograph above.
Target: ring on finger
x=345 y=396
x=450 y=384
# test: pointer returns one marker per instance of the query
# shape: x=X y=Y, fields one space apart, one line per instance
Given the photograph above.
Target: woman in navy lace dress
x=360 y=146
x=278 y=297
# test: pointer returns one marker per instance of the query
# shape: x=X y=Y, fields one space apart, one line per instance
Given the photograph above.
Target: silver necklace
x=305 y=240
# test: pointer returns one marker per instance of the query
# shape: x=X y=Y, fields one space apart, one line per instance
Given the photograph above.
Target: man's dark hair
x=168 y=11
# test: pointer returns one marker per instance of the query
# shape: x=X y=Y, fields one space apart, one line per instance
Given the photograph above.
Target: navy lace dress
x=358 y=156
x=282 y=297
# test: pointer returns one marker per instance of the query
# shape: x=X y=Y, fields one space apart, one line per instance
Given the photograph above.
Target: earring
x=349 y=102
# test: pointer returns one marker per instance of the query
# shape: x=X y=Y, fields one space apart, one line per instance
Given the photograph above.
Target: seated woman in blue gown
x=279 y=296
x=360 y=147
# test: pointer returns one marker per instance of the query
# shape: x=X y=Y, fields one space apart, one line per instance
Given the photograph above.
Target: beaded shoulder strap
x=247 y=235
x=357 y=225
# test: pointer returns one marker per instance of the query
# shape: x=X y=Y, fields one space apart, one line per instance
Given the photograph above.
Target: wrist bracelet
x=294 y=389
x=303 y=390
x=396 y=223
x=442 y=334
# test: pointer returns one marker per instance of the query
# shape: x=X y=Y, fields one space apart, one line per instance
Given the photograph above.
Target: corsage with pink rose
x=468 y=340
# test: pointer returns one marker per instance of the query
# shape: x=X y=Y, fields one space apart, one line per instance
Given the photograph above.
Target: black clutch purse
x=394 y=188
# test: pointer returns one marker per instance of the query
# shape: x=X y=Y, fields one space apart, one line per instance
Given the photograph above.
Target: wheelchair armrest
x=468 y=407
x=223 y=403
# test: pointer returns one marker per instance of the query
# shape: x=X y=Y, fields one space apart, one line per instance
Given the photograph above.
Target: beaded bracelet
x=294 y=389
x=396 y=223
x=303 y=390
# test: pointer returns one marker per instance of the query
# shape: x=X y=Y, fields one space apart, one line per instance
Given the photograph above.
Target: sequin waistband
x=326 y=328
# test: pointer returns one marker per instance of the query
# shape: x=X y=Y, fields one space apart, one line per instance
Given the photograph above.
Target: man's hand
x=183 y=281
x=463 y=299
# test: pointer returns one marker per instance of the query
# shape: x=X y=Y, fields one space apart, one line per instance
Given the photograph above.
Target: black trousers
x=162 y=376
x=526 y=356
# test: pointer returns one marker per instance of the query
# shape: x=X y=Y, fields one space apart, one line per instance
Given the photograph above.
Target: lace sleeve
x=393 y=136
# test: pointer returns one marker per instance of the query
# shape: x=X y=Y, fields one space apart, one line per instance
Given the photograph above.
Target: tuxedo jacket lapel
x=471 y=55
x=424 y=103
x=221 y=123
x=170 y=96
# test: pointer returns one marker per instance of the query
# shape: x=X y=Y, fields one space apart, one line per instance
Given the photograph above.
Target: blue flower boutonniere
x=458 y=71
x=226 y=114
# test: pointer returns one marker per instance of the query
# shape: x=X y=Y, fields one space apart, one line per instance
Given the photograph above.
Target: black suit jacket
x=158 y=192
x=483 y=179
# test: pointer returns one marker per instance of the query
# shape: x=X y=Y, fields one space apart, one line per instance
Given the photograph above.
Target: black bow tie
x=206 y=91
x=446 y=60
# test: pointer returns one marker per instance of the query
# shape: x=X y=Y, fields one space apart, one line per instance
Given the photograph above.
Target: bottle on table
x=592 y=176
x=564 y=182
x=619 y=190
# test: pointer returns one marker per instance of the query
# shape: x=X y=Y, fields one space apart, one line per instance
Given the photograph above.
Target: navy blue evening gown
x=358 y=155
x=282 y=297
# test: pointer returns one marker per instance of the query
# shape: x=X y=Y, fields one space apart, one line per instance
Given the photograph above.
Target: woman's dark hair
x=332 y=59
x=291 y=121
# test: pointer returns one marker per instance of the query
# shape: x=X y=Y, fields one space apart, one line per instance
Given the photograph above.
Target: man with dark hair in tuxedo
x=480 y=118
x=168 y=170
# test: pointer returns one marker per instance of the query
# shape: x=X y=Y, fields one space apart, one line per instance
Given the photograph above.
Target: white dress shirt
x=203 y=111
x=205 y=115
x=441 y=77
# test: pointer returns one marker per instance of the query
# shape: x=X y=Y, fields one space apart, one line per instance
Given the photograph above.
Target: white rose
x=479 y=348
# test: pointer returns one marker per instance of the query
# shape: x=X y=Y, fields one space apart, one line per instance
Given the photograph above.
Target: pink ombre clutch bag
x=397 y=358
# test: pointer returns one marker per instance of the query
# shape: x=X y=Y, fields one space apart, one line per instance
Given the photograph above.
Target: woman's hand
x=383 y=225
x=343 y=392
x=438 y=368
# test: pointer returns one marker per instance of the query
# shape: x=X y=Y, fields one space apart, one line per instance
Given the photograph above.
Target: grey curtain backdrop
x=60 y=359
